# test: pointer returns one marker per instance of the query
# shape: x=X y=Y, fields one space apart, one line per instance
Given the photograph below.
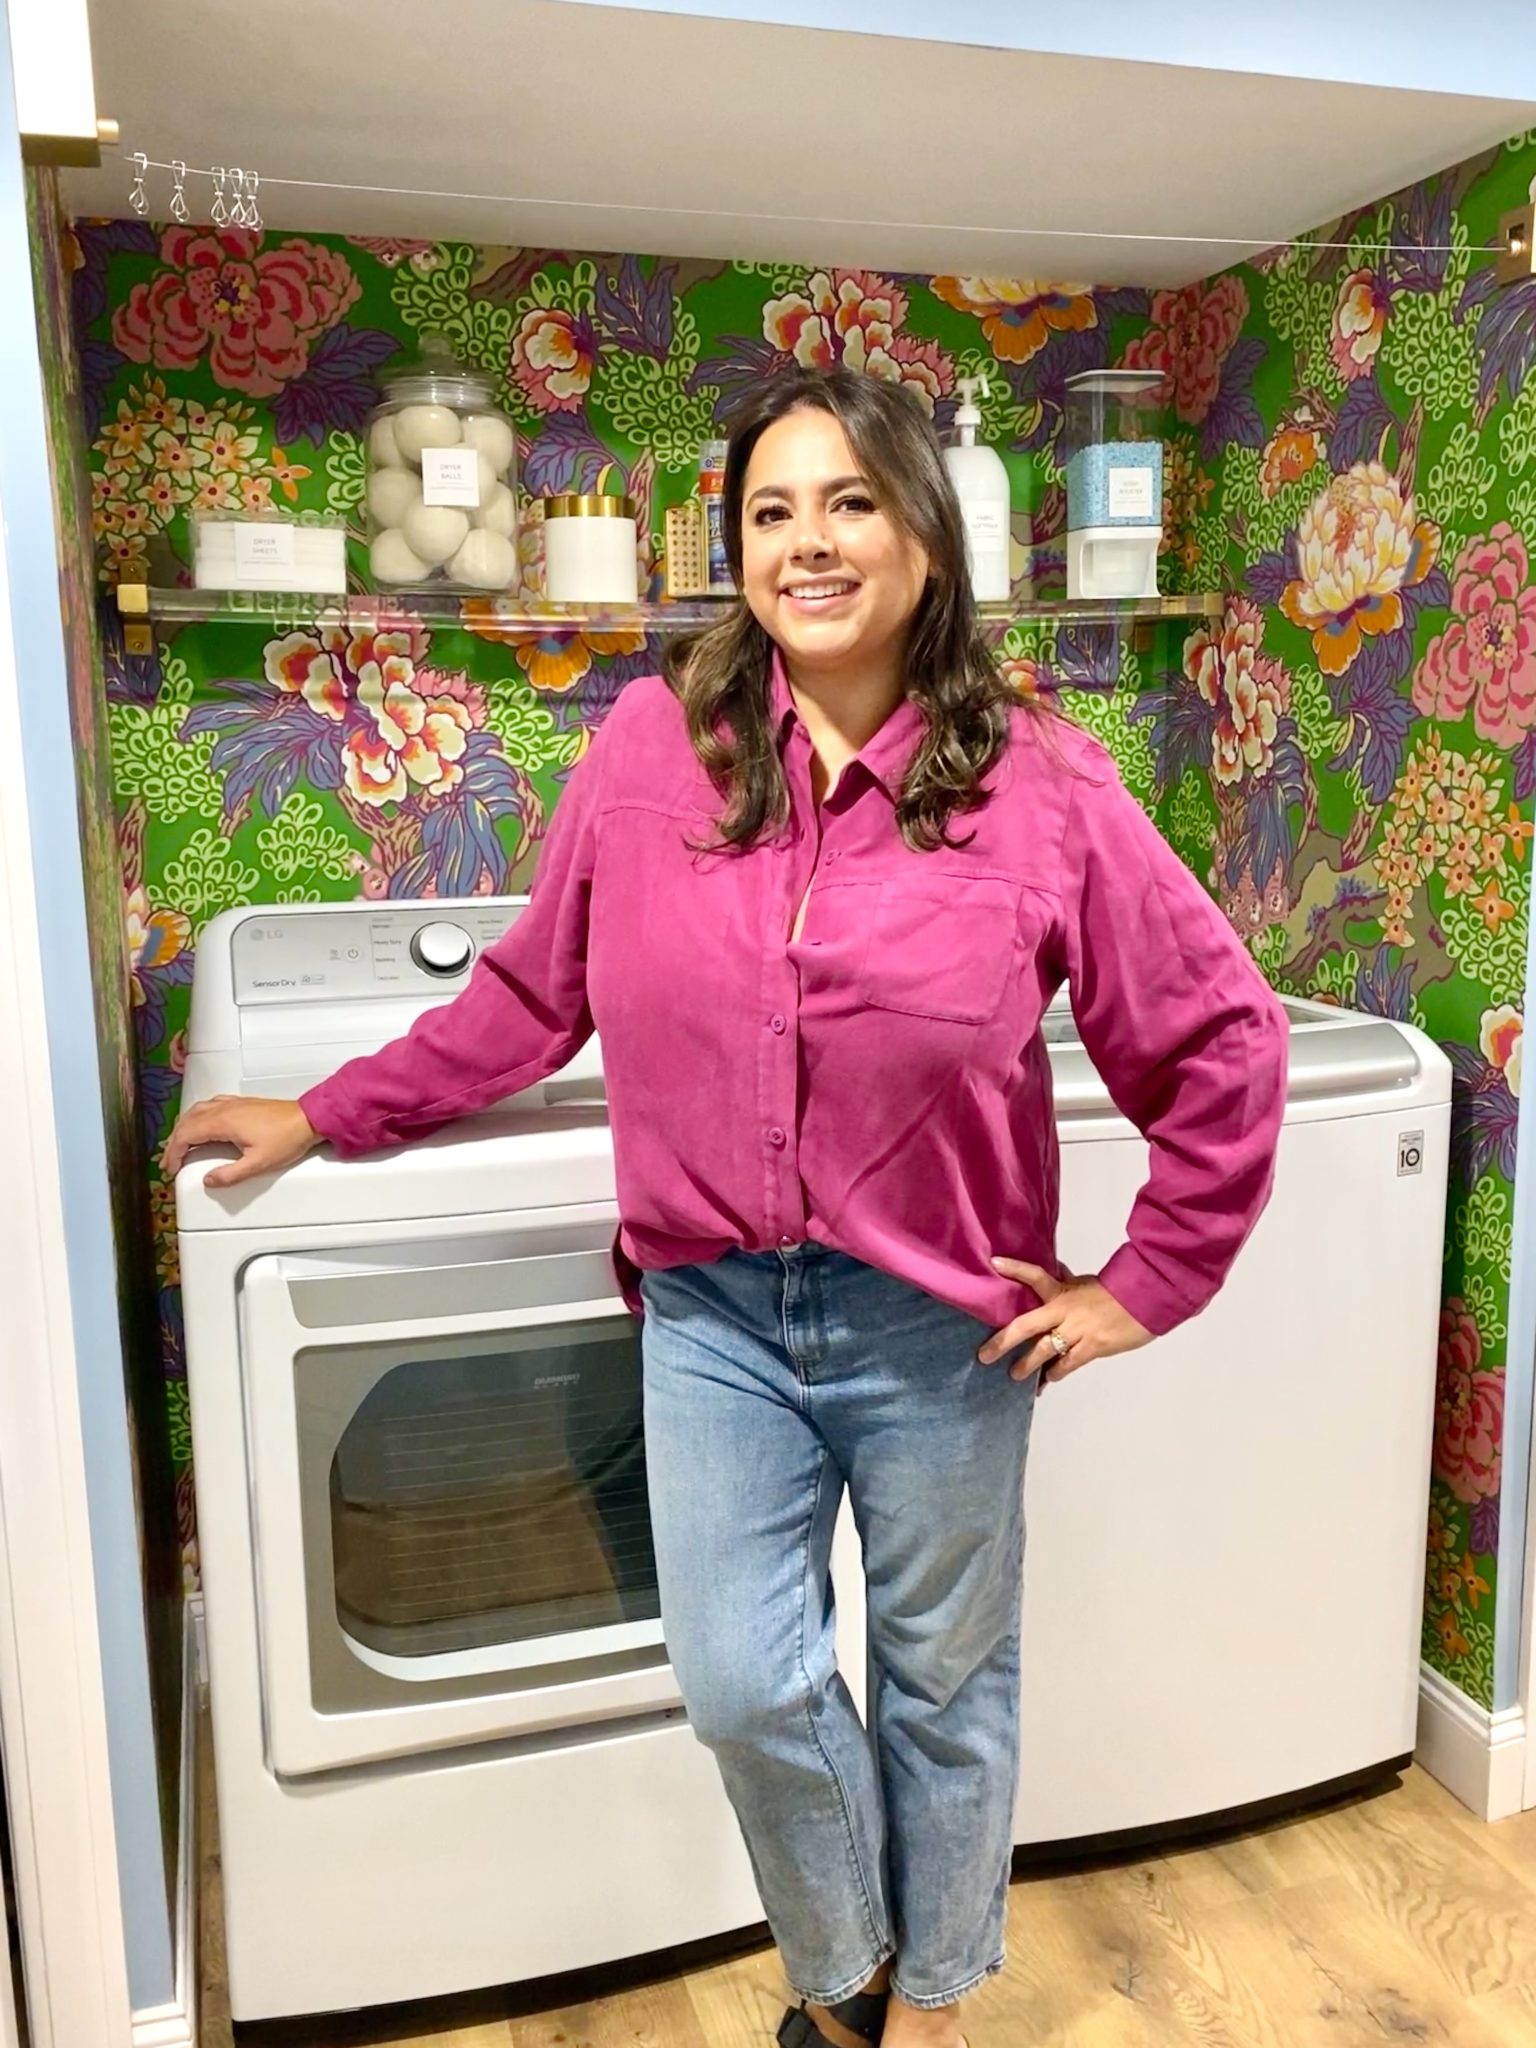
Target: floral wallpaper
x=144 y=1383
x=292 y=761
x=1345 y=756
x=1349 y=756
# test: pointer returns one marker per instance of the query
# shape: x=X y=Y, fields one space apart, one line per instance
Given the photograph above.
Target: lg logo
x=1410 y=1152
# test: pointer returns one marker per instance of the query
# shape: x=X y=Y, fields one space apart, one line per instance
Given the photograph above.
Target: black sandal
x=863 y=2014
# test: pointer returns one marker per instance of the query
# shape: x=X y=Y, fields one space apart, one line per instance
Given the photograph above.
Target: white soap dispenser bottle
x=981 y=484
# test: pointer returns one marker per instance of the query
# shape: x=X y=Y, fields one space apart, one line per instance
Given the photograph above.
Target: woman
x=815 y=890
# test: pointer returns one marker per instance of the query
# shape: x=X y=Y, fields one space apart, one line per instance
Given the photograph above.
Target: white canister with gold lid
x=590 y=549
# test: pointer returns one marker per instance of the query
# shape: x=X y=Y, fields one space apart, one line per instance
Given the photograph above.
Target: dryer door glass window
x=495 y=1496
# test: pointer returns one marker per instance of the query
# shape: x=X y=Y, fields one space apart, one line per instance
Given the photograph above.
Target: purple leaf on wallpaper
x=1234 y=419
x=1506 y=341
x=638 y=311
x=337 y=391
x=1088 y=656
x=1181 y=723
x=749 y=359
x=1269 y=831
x=1383 y=990
x=157 y=1089
x=99 y=242
x=266 y=741
x=1128 y=301
x=130 y=678
x=1379 y=711
x=1525 y=767
x=1477 y=290
x=1265 y=579
x=565 y=454
x=1363 y=418
x=99 y=364
x=1483 y=1532
x=1484 y=1116
x=1433 y=594
x=1423 y=234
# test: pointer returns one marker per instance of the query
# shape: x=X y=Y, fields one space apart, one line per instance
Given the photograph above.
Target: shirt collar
x=886 y=755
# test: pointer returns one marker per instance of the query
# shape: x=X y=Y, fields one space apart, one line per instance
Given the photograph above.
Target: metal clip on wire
x=136 y=197
x=179 y=209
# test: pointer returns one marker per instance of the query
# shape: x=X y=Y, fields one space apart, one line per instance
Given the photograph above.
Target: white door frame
x=1528 y=1587
x=52 y=1705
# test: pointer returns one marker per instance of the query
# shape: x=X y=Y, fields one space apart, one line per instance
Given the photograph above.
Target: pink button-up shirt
x=879 y=1083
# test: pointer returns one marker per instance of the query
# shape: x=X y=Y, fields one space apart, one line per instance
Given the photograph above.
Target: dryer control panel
x=354 y=952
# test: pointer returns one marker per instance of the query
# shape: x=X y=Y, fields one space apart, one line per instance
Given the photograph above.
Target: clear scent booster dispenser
x=1113 y=430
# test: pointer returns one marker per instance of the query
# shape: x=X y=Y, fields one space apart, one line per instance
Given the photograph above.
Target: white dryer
x=450 y=1751
x=1224 y=1586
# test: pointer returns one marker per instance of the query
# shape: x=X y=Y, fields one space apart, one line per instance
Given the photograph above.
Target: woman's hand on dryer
x=267 y=1133
x=1078 y=1320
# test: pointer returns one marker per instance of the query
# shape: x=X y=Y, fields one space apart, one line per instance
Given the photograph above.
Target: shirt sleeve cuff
x=325 y=1114
x=1142 y=1292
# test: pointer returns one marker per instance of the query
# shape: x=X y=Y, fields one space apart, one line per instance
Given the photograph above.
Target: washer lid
x=505 y=1159
x=1332 y=1053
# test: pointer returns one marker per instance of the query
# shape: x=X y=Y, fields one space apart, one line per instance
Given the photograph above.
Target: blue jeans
x=773 y=1380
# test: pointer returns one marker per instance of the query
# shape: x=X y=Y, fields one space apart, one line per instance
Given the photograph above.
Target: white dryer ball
x=493 y=437
x=486 y=561
x=425 y=426
x=392 y=559
x=383 y=448
x=498 y=511
x=392 y=493
x=486 y=474
x=435 y=531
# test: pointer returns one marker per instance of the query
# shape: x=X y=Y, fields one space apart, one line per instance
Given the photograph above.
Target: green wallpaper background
x=1347 y=757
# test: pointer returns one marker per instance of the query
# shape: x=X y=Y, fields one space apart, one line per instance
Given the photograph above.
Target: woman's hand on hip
x=268 y=1135
x=1077 y=1321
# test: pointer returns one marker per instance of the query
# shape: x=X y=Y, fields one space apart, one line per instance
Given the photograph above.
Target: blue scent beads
x=1115 y=483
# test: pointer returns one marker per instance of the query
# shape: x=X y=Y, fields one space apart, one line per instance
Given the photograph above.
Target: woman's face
x=827 y=571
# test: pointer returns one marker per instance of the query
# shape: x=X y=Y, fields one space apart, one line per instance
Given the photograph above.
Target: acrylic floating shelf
x=494 y=618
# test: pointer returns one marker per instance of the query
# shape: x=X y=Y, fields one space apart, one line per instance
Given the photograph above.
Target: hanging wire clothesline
x=1258 y=242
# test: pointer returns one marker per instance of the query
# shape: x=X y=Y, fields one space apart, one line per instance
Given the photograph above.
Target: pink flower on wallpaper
x=255 y=311
x=1249 y=691
x=1359 y=321
x=553 y=357
x=1486 y=657
x=1469 y=1409
x=1189 y=337
x=852 y=317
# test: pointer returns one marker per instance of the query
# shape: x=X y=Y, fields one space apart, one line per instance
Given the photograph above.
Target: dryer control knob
x=442 y=948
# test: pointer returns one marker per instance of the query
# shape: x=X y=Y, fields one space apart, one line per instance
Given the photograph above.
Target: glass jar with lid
x=441 y=479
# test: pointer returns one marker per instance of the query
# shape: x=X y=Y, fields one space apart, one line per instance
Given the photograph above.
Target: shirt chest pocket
x=941 y=946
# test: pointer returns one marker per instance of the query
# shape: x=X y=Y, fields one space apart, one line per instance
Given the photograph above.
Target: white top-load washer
x=1224 y=1586
x=449 y=1748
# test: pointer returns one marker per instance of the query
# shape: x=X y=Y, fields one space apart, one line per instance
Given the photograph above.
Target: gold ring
x=1059 y=1344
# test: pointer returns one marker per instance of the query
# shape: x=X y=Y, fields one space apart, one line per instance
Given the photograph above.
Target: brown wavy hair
x=721 y=676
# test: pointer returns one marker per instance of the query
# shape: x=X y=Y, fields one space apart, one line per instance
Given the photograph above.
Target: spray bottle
x=981 y=484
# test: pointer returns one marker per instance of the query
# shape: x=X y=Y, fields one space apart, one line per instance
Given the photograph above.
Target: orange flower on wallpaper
x=1018 y=315
x=1293 y=451
x=1360 y=542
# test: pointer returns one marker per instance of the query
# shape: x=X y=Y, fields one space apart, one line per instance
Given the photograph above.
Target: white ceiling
x=600 y=128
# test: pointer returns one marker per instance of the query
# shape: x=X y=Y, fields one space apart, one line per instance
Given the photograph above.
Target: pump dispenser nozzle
x=967 y=414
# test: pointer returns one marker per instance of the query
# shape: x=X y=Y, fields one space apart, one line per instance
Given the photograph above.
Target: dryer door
x=448 y=1495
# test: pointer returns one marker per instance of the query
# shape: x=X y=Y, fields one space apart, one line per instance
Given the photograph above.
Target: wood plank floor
x=1394 y=1918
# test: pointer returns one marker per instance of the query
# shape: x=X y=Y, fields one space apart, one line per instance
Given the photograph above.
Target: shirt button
x=776 y=1024
x=776 y=1136
x=788 y=1239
